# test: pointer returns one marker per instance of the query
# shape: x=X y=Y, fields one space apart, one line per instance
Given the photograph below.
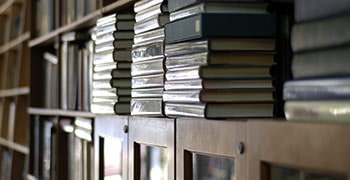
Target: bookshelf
x=14 y=88
x=35 y=126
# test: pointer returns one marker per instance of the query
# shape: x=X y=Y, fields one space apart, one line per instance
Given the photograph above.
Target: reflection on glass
x=112 y=156
x=213 y=167
x=153 y=163
x=282 y=173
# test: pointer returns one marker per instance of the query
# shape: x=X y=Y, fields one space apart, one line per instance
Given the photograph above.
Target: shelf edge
x=14 y=146
x=59 y=112
x=10 y=45
x=14 y=92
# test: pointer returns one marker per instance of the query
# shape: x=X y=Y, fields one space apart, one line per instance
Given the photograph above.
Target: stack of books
x=111 y=72
x=218 y=60
x=148 y=57
x=320 y=90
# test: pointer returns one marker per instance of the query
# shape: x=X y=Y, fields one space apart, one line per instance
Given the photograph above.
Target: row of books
x=320 y=42
x=76 y=150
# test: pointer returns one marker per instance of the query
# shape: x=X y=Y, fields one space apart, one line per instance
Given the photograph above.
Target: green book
x=208 y=25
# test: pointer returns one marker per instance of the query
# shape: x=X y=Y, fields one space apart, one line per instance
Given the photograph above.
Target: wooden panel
x=320 y=147
x=211 y=137
x=110 y=126
x=153 y=132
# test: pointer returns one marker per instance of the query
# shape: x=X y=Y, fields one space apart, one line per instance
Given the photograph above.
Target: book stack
x=111 y=72
x=219 y=57
x=320 y=39
x=147 y=70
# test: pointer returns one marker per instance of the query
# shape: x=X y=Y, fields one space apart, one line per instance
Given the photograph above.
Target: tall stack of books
x=320 y=90
x=219 y=57
x=147 y=58
x=113 y=41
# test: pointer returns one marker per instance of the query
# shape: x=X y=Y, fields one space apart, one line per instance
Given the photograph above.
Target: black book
x=308 y=10
x=174 y=5
x=207 y=25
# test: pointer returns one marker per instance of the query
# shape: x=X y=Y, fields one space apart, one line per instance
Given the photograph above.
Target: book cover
x=219 y=72
x=125 y=25
x=146 y=107
x=218 y=84
x=220 y=44
x=103 y=57
x=308 y=10
x=321 y=34
x=174 y=5
x=219 y=7
x=104 y=67
x=317 y=89
x=147 y=92
x=219 y=58
x=154 y=10
x=147 y=81
x=122 y=108
x=207 y=25
x=218 y=95
x=151 y=23
x=219 y=110
x=124 y=91
x=145 y=4
x=121 y=73
x=318 y=111
x=122 y=44
x=148 y=50
x=322 y=63
x=102 y=108
x=153 y=66
x=120 y=82
x=149 y=35
x=122 y=55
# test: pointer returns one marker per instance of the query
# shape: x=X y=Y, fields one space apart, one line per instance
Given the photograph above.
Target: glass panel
x=213 y=167
x=153 y=163
x=282 y=173
x=112 y=157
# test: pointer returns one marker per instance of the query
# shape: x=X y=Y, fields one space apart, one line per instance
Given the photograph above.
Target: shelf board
x=59 y=112
x=4 y=8
x=116 y=5
x=82 y=23
x=14 y=43
x=14 y=92
x=14 y=146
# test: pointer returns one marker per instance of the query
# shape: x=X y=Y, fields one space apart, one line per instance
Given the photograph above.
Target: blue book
x=317 y=89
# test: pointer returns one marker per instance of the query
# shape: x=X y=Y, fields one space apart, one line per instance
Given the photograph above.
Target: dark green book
x=208 y=25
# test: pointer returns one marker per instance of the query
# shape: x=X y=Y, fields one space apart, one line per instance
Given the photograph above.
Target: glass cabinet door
x=151 y=148
x=111 y=147
x=208 y=149
x=280 y=150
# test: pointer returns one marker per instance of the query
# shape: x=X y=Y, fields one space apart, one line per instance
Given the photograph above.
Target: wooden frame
x=154 y=132
x=219 y=138
x=320 y=147
x=110 y=126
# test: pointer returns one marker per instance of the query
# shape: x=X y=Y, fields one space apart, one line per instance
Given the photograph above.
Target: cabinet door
x=111 y=147
x=151 y=148
x=210 y=149
x=298 y=150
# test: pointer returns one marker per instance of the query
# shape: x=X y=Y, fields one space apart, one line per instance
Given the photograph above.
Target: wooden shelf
x=59 y=112
x=117 y=5
x=82 y=23
x=14 y=43
x=5 y=7
x=14 y=146
x=14 y=92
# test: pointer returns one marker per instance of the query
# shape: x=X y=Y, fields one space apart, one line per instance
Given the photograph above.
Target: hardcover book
x=154 y=10
x=120 y=82
x=147 y=81
x=153 y=22
x=122 y=108
x=207 y=25
x=145 y=4
x=148 y=50
x=219 y=84
x=149 y=35
x=219 y=95
x=146 y=107
x=317 y=89
x=153 y=66
x=220 y=44
x=321 y=34
x=219 y=110
x=219 y=72
x=322 y=63
x=147 y=92
x=219 y=58
x=219 y=7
